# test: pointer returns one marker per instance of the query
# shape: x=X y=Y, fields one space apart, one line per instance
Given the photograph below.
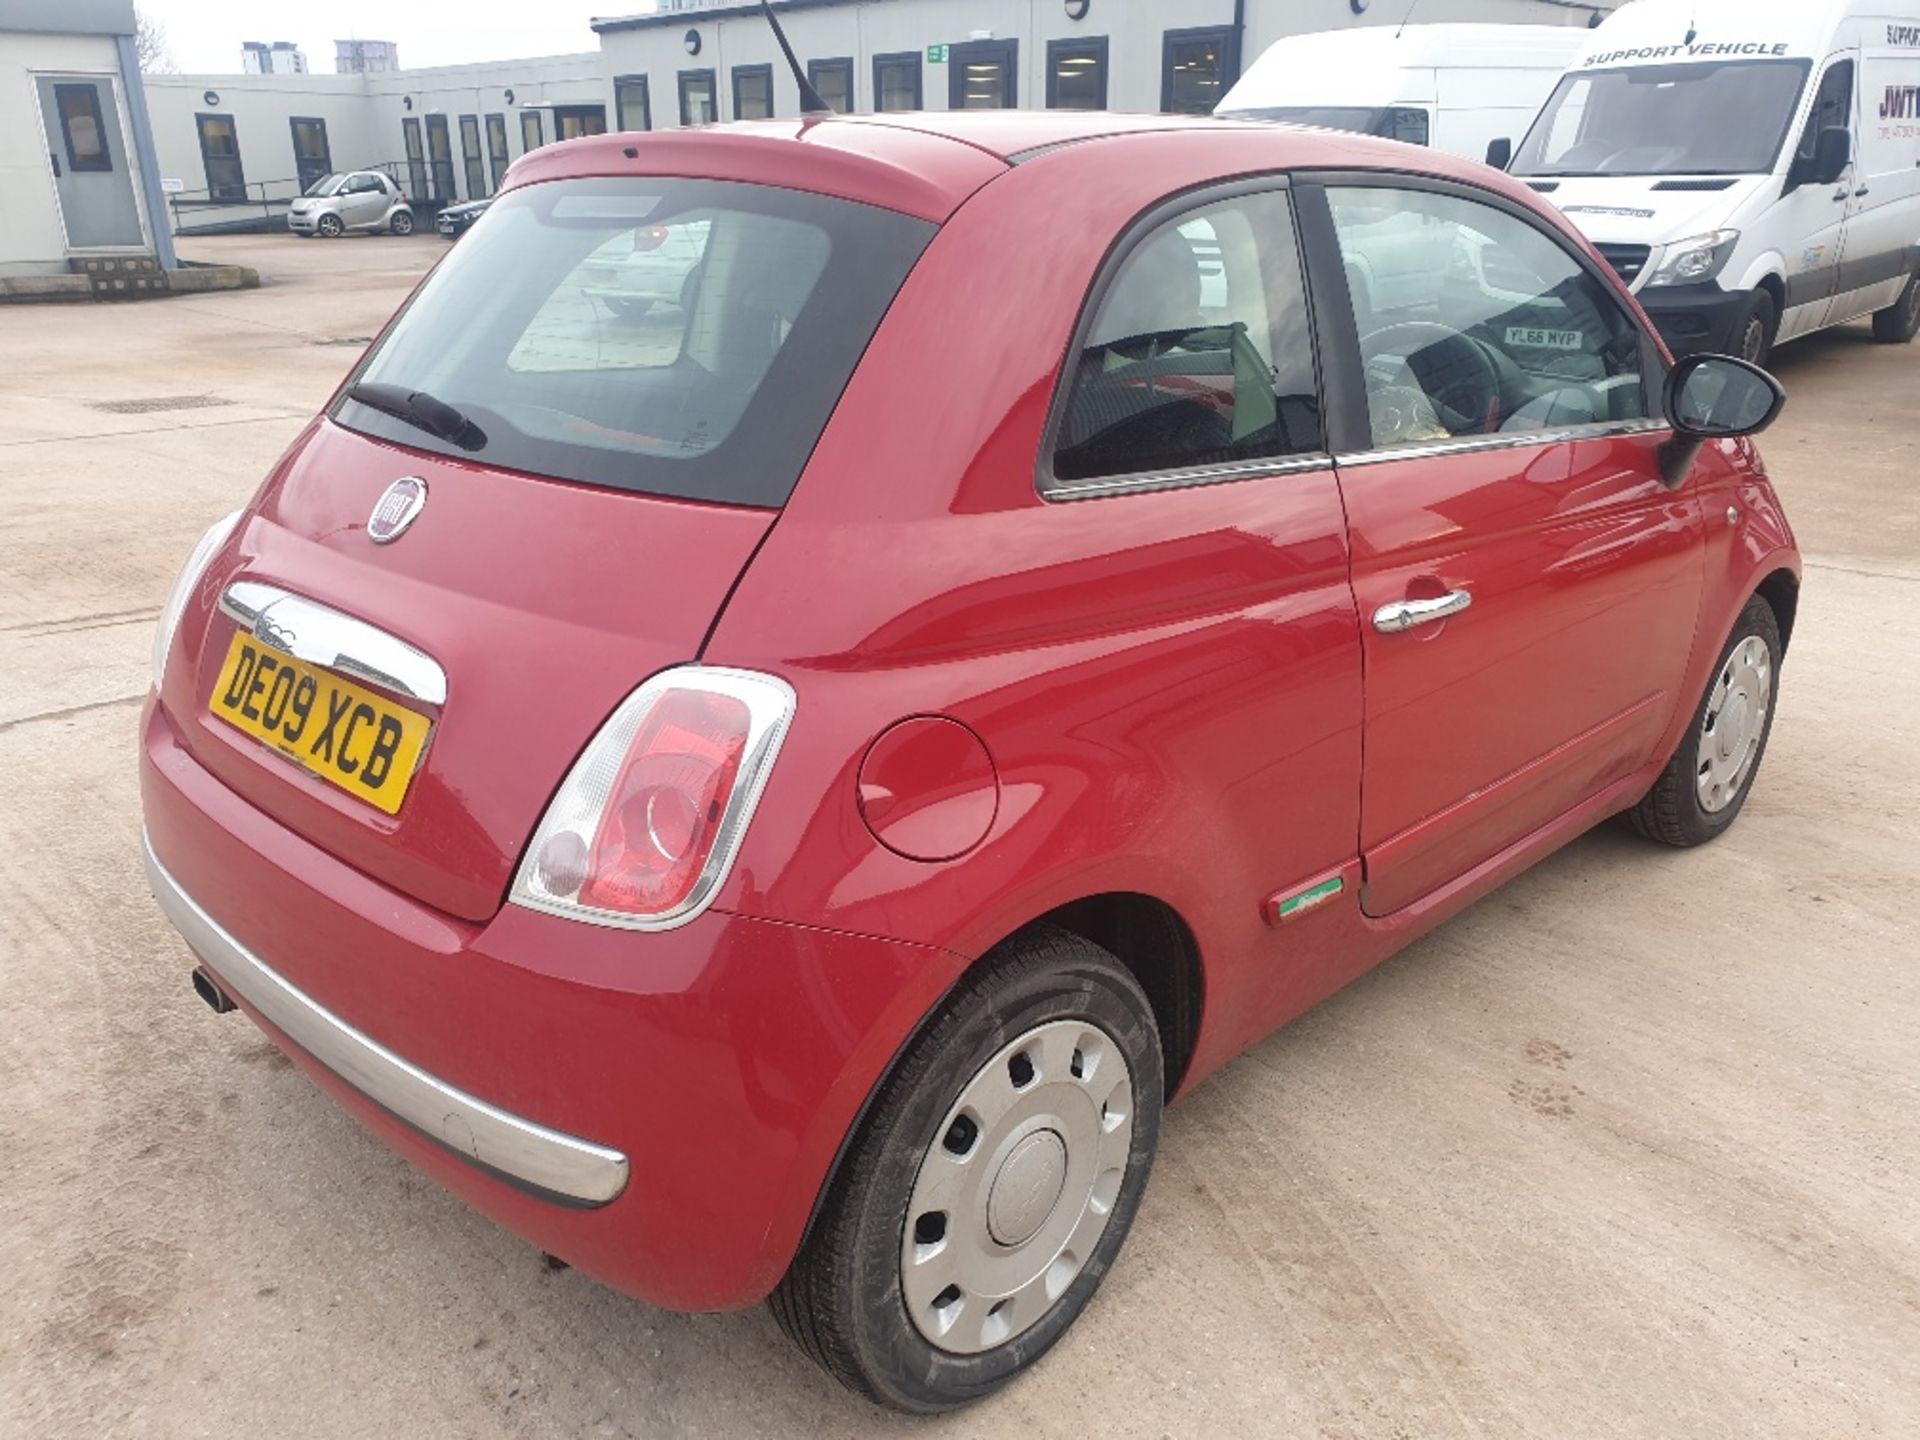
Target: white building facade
x=235 y=149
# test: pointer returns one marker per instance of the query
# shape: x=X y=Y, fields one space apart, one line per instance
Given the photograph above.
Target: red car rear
x=768 y=794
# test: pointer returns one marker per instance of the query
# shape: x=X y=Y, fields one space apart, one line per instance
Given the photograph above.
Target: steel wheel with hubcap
x=1753 y=332
x=1704 y=786
x=1010 y=1202
x=991 y=1184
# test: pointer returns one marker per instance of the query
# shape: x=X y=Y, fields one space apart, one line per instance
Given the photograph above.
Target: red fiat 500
x=769 y=791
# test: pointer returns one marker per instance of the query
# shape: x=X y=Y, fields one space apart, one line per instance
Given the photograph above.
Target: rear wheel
x=991 y=1185
x=1702 y=790
x=1900 y=321
x=1753 y=332
x=402 y=222
x=330 y=226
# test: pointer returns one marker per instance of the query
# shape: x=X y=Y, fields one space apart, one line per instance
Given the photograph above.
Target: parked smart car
x=453 y=221
x=775 y=806
x=353 y=200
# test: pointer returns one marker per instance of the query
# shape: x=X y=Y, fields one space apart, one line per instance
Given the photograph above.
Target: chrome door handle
x=1405 y=614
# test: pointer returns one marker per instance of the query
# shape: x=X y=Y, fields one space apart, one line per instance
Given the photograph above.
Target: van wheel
x=1700 y=793
x=1753 y=332
x=1900 y=321
x=990 y=1186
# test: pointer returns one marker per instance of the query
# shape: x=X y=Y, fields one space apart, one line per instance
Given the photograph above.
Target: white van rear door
x=1808 y=223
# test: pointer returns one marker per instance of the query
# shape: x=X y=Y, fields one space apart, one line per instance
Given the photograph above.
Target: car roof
x=926 y=164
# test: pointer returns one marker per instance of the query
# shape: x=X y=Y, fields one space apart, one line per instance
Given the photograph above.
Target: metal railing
x=259 y=206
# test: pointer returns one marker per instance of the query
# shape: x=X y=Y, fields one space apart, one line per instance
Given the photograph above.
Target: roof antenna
x=1406 y=17
x=810 y=101
x=1692 y=34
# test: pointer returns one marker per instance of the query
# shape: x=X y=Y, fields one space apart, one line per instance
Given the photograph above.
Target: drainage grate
x=157 y=402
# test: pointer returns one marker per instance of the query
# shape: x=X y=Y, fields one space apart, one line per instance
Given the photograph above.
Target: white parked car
x=351 y=200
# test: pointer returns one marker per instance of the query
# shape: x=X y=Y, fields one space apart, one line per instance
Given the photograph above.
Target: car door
x=366 y=200
x=1526 y=583
x=1810 y=217
x=1882 y=244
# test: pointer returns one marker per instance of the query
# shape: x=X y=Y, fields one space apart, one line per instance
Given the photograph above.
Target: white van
x=1454 y=87
x=1750 y=167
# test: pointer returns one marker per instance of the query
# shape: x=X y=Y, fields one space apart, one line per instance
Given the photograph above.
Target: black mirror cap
x=1746 y=398
x=1832 y=154
x=1500 y=152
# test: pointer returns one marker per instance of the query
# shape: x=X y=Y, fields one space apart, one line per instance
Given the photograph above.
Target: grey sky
x=204 y=35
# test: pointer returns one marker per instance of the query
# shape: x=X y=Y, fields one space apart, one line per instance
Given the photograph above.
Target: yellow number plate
x=358 y=740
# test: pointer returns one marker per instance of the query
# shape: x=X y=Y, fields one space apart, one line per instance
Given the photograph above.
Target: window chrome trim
x=1472 y=444
x=1185 y=479
x=320 y=635
x=551 y=1164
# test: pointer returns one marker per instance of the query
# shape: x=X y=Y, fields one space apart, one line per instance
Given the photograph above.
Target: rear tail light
x=649 y=237
x=203 y=551
x=647 y=823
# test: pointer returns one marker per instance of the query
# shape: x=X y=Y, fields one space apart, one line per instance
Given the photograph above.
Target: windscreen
x=679 y=337
x=325 y=185
x=1697 y=119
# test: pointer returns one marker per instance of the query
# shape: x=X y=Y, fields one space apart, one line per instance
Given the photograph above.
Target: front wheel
x=1753 y=332
x=991 y=1185
x=1701 y=792
x=1900 y=321
x=330 y=225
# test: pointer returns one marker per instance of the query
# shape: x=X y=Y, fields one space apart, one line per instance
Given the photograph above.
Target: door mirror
x=1832 y=154
x=1714 y=397
x=1500 y=152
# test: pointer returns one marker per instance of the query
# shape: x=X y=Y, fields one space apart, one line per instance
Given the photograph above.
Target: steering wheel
x=1452 y=368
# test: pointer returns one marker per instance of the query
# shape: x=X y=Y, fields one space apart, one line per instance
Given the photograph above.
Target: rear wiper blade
x=420 y=409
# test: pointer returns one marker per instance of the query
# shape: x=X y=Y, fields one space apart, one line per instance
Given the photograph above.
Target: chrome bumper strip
x=545 y=1161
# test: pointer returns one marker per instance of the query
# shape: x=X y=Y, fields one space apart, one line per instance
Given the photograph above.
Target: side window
x=1200 y=352
x=1474 y=322
x=1832 y=107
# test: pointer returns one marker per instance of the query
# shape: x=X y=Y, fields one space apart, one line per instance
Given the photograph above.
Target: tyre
x=989 y=1187
x=1900 y=321
x=401 y=223
x=1753 y=332
x=330 y=226
x=1701 y=792
x=628 y=309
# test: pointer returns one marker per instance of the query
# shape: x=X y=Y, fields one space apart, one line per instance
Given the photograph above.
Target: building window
x=416 y=157
x=497 y=154
x=532 y=134
x=470 y=153
x=832 y=80
x=981 y=75
x=82 y=128
x=311 y=158
x=696 y=98
x=220 y=153
x=1077 y=74
x=753 y=92
x=570 y=122
x=1196 y=69
x=632 y=103
x=440 y=158
x=896 y=82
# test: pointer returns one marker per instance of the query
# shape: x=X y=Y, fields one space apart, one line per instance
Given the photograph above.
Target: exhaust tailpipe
x=208 y=989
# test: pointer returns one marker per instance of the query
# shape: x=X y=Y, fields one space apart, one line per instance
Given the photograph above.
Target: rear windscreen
x=679 y=337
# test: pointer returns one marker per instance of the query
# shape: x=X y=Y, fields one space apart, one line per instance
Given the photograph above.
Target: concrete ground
x=1633 y=1148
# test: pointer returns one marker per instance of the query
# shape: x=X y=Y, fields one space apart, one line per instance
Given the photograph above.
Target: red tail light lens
x=649 y=237
x=646 y=826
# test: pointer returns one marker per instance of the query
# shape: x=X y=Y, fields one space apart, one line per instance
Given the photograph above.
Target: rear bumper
x=661 y=1109
x=545 y=1162
x=1693 y=319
